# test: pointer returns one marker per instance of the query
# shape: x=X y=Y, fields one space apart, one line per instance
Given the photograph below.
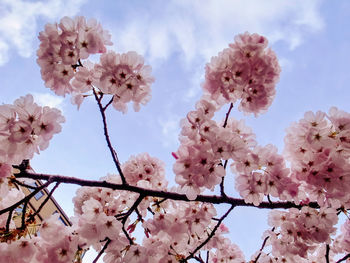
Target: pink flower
x=247 y=70
x=63 y=46
x=143 y=167
x=126 y=78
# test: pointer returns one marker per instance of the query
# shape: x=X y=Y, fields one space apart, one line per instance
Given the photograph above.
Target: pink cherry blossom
x=245 y=71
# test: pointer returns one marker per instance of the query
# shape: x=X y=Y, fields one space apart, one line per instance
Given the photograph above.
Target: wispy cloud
x=202 y=28
x=46 y=99
x=170 y=130
x=18 y=20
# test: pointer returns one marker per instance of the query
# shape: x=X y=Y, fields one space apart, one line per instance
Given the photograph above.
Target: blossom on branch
x=180 y=223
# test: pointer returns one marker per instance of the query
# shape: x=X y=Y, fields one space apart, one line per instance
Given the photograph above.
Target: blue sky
x=177 y=38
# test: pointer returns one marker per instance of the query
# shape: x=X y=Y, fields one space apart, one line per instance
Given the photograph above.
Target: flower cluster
x=246 y=71
x=61 y=56
x=316 y=182
x=205 y=146
x=181 y=227
x=145 y=171
x=263 y=172
x=318 y=149
x=95 y=213
x=56 y=244
x=25 y=128
x=299 y=232
x=172 y=231
x=125 y=77
x=63 y=45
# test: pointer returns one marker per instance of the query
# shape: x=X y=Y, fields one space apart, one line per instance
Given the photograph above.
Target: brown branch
x=213 y=199
x=27 y=198
x=199 y=259
x=107 y=105
x=211 y=234
x=44 y=202
x=9 y=221
x=124 y=216
x=327 y=253
x=127 y=235
x=22 y=184
x=132 y=209
x=109 y=144
x=222 y=184
x=262 y=247
x=227 y=114
x=222 y=190
x=139 y=216
x=150 y=210
x=23 y=223
x=343 y=258
x=102 y=250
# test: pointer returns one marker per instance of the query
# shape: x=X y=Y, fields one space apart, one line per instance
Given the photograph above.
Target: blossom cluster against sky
x=177 y=38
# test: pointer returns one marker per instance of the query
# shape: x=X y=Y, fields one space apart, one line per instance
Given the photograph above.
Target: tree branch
x=102 y=250
x=109 y=103
x=343 y=258
x=27 y=198
x=211 y=234
x=327 y=253
x=109 y=144
x=44 y=202
x=227 y=114
x=222 y=190
x=213 y=199
x=262 y=247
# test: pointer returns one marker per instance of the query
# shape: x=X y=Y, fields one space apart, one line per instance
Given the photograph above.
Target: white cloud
x=200 y=28
x=46 y=99
x=195 y=87
x=18 y=20
x=285 y=64
x=3 y=52
x=170 y=131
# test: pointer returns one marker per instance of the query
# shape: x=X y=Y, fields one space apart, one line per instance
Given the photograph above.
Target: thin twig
x=262 y=247
x=222 y=190
x=139 y=216
x=27 y=198
x=150 y=210
x=23 y=223
x=109 y=144
x=222 y=184
x=102 y=251
x=132 y=209
x=127 y=235
x=343 y=258
x=107 y=105
x=211 y=234
x=22 y=184
x=327 y=253
x=227 y=115
x=199 y=259
x=9 y=221
x=269 y=199
x=126 y=216
x=44 y=202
